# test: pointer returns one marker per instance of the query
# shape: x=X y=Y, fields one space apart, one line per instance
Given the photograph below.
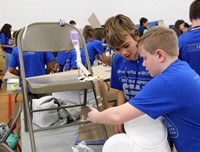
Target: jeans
x=6 y=58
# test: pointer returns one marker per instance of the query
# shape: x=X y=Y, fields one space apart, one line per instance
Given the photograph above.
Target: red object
x=9 y=106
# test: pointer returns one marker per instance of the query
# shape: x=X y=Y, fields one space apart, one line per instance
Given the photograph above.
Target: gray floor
x=55 y=140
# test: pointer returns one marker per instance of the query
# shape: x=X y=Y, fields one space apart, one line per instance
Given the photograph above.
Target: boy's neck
x=195 y=22
x=169 y=60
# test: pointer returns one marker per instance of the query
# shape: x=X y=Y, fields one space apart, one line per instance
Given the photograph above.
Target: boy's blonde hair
x=117 y=28
x=159 y=37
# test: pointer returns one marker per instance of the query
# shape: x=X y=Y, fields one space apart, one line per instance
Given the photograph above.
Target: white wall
x=18 y=13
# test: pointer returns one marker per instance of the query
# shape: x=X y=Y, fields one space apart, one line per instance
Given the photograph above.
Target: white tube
x=79 y=63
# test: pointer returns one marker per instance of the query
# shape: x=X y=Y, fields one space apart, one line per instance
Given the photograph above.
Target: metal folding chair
x=51 y=36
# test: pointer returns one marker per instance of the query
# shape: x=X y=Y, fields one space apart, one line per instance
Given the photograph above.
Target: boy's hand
x=119 y=129
x=93 y=114
x=56 y=68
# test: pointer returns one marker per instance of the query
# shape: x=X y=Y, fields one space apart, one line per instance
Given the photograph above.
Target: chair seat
x=53 y=83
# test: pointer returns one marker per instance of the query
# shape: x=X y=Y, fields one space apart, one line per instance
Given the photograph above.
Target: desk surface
x=99 y=71
x=13 y=86
x=66 y=81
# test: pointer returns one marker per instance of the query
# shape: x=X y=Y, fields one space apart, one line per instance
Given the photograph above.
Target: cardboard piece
x=94 y=22
x=161 y=23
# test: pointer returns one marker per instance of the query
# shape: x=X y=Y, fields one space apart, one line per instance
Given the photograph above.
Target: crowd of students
x=155 y=70
x=172 y=93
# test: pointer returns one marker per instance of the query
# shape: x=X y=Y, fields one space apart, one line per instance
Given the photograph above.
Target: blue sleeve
x=73 y=63
x=49 y=57
x=98 y=46
x=14 y=58
x=181 y=48
x=156 y=98
x=114 y=80
x=83 y=57
x=3 y=38
x=61 y=58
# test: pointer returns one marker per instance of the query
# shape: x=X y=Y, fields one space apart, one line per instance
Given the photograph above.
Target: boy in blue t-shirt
x=35 y=64
x=173 y=93
x=128 y=75
x=94 y=43
x=65 y=61
x=189 y=42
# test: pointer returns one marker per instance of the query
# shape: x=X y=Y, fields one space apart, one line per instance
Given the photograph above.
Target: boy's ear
x=161 y=55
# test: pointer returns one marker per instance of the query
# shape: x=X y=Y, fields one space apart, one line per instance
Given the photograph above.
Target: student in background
x=166 y=94
x=94 y=45
x=34 y=64
x=88 y=32
x=144 y=26
x=186 y=27
x=65 y=61
x=127 y=73
x=189 y=43
x=179 y=25
x=6 y=44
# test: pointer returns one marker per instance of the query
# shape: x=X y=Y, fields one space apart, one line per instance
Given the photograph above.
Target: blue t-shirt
x=128 y=76
x=94 y=48
x=175 y=95
x=67 y=61
x=189 y=46
x=34 y=62
x=6 y=41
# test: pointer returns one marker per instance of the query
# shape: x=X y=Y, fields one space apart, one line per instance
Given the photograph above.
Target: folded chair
x=50 y=36
x=5 y=148
x=12 y=124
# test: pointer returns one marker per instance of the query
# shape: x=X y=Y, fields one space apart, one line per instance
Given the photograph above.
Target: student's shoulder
x=72 y=52
x=96 y=42
x=49 y=55
x=187 y=36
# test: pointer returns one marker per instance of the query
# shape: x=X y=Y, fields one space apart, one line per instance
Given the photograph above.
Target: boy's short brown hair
x=159 y=37
x=88 y=31
x=117 y=28
x=194 y=10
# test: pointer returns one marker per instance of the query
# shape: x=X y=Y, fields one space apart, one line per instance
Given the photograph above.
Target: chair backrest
x=49 y=36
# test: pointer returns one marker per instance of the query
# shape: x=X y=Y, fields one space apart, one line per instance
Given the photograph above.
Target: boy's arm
x=8 y=46
x=114 y=115
x=120 y=98
x=103 y=58
x=56 y=67
x=49 y=67
x=13 y=71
